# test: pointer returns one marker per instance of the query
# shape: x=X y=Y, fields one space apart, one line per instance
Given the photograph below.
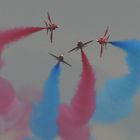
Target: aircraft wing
x=46 y=23
x=101 y=51
x=53 y=55
x=66 y=63
x=106 y=31
x=51 y=36
x=46 y=26
x=88 y=42
x=73 y=49
x=108 y=36
x=49 y=18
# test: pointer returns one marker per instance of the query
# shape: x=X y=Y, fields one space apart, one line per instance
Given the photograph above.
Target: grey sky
x=78 y=19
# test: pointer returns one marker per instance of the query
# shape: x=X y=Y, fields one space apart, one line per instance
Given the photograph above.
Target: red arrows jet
x=80 y=45
x=103 y=40
x=60 y=58
x=50 y=26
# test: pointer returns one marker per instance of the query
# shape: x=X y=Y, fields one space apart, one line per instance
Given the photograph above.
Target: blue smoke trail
x=44 y=116
x=27 y=138
x=115 y=100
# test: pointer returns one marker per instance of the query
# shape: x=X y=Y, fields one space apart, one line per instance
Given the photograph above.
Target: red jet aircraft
x=50 y=26
x=103 y=41
x=80 y=45
x=60 y=58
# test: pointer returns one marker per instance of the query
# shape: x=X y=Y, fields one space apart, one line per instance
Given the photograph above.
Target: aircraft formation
x=70 y=121
x=103 y=41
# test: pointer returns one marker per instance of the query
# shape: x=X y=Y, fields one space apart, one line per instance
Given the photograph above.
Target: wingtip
x=101 y=55
x=51 y=40
x=70 y=65
x=50 y=53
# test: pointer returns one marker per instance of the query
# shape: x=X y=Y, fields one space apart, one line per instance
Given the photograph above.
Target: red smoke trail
x=15 y=34
x=73 y=119
x=22 y=129
x=11 y=108
x=83 y=103
x=7 y=95
x=68 y=130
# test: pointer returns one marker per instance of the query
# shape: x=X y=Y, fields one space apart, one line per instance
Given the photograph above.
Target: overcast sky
x=79 y=20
